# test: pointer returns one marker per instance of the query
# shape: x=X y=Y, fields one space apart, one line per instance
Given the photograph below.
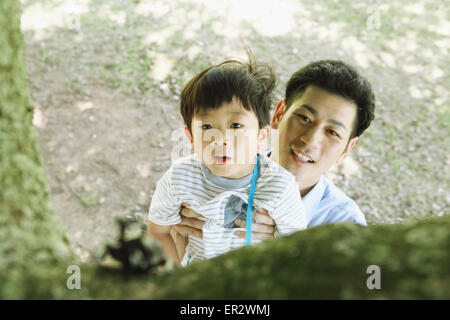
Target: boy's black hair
x=339 y=78
x=250 y=82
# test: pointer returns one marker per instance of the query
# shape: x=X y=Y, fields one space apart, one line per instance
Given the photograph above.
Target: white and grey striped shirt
x=221 y=200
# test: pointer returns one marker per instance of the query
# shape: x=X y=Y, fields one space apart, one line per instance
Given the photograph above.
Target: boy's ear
x=263 y=137
x=278 y=115
x=188 y=134
x=347 y=150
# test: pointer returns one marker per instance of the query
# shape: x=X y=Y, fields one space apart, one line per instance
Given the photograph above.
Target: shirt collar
x=312 y=199
x=225 y=182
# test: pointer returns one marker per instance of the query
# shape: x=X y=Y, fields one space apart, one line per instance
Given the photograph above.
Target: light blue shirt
x=325 y=203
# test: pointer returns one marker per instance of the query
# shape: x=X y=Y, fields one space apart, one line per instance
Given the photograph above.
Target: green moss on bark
x=29 y=231
x=327 y=262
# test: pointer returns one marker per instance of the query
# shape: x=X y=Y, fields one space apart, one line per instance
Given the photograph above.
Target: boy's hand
x=263 y=226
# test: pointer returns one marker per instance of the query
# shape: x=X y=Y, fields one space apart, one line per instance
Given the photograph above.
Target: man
x=327 y=106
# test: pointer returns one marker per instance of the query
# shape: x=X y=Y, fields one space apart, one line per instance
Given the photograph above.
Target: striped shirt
x=188 y=180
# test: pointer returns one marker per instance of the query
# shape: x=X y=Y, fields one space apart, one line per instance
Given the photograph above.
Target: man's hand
x=263 y=226
x=190 y=225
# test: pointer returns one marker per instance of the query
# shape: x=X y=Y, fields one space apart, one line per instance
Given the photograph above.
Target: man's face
x=313 y=134
x=227 y=139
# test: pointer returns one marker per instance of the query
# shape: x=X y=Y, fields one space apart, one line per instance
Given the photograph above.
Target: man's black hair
x=339 y=78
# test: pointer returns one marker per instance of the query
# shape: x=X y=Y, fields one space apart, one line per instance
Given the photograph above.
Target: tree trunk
x=324 y=262
x=29 y=231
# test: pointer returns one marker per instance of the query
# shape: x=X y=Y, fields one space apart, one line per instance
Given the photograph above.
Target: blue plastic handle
x=250 y=202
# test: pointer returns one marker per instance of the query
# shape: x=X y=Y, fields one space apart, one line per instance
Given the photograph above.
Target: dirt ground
x=105 y=78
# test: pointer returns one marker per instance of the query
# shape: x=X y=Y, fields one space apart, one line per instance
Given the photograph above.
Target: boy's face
x=313 y=134
x=227 y=139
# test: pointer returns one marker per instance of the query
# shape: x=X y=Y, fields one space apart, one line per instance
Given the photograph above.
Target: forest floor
x=105 y=78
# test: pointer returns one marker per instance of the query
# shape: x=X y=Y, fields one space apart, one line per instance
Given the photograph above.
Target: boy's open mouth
x=221 y=159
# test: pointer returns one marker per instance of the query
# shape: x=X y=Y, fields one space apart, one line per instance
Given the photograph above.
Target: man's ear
x=188 y=134
x=279 y=112
x=347 y=150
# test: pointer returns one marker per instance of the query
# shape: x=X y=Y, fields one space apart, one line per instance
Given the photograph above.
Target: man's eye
x=206 y=126
x=334 y=133
x=236 y=125
x=303 y=117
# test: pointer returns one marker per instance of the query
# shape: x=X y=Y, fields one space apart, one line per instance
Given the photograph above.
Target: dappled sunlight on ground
x=84 y=105
x=161 y=68
x=39 y=120
x=42 y=17
x=105 y=12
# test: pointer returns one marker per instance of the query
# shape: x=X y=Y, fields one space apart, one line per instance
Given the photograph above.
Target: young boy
x=226 y=113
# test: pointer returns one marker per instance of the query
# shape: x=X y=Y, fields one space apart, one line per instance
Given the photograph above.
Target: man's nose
x=312 y=138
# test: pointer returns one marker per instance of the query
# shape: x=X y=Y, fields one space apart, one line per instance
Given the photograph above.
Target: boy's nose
x=224 y=138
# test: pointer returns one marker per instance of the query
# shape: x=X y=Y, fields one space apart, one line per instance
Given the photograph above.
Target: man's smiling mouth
x=302 y=157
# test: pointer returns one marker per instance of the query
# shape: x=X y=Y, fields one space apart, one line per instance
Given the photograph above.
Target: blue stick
x=250 y=202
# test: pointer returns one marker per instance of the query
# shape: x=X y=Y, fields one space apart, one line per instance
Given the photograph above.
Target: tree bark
x=29 y=231
x=328 y=262
x=324 y=262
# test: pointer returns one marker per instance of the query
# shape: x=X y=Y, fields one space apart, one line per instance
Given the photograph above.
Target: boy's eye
x=303 y=117
x=236 y=125
x=206 y=126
